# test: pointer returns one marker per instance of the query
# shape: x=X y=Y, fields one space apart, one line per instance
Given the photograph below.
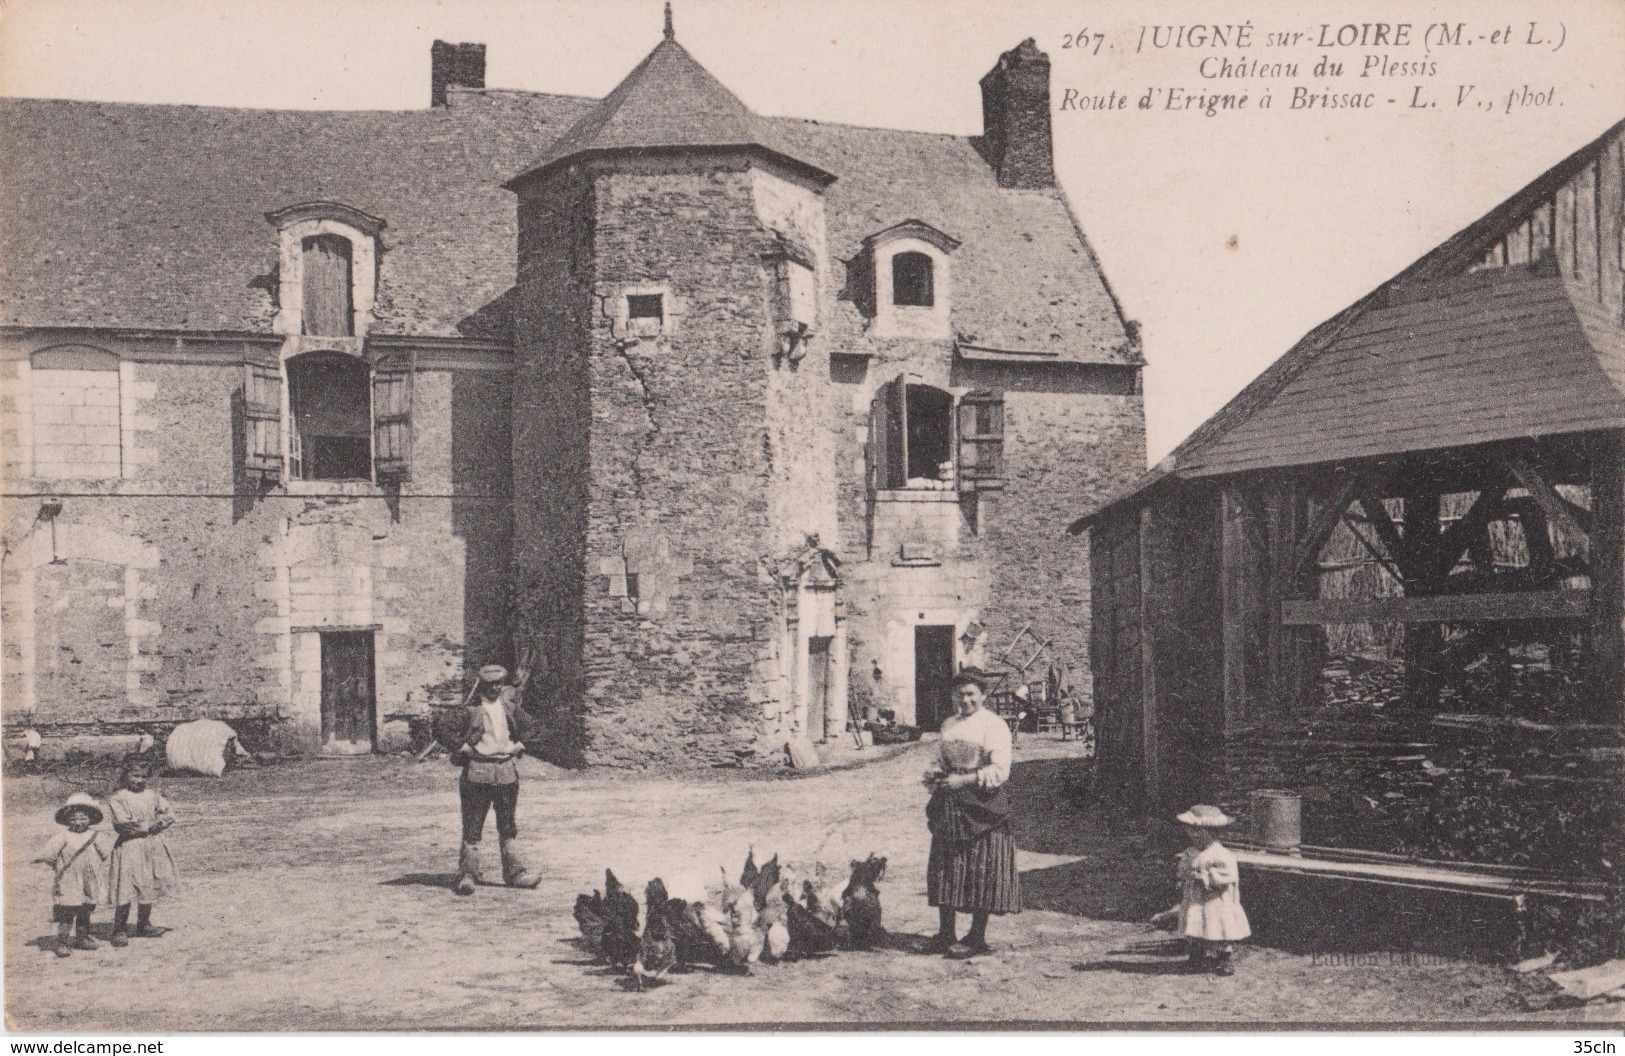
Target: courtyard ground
x=316 y=898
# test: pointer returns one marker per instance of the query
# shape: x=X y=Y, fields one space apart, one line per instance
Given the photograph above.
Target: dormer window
x=911 y=280
x=902 y=277
x=328 y=265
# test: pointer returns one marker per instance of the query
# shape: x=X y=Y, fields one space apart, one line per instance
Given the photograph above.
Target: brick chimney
x=1015 y=118
x=454 y=66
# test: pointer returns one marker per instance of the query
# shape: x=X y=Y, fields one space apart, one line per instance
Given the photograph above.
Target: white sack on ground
x=200 y=746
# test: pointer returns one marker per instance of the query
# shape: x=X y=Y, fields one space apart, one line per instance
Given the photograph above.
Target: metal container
x=1277 y=818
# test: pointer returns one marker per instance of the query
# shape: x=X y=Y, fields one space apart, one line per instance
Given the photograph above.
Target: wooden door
x=817 y=687
x=347 y=692
x=933 y=675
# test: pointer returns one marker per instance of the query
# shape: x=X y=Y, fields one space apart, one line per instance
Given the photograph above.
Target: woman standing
x=972 y=868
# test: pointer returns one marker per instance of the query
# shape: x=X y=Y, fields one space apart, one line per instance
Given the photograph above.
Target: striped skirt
x=975 y=877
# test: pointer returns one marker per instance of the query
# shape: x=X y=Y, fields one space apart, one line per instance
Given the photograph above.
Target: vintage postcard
x=735 y=514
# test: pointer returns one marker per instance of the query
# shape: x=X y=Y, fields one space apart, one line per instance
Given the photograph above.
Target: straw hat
x=80 y=801
x=493 y=673
x=1204 y=816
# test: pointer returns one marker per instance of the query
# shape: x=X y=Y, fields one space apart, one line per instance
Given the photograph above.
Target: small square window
x=646 y=306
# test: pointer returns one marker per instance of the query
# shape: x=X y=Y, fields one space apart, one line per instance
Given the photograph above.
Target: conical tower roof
x=668 y=103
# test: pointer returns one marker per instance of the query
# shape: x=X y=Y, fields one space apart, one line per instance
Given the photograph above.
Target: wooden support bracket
x=1562 y=513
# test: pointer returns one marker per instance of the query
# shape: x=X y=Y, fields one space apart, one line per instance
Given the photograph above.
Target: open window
x=344 y=418
x=330 y=418
x=916 y=442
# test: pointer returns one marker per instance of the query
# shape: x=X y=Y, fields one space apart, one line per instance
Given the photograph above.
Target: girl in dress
x=79 y=860
x=142 y=871
x=1209 y=913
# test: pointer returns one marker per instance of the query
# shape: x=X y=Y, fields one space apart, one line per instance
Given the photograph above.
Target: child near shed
x=79 y=860
x=142 y=872
x=1209 y=914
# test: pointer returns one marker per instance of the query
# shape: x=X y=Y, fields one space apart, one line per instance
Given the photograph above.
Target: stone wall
x=693 y=486
x=1072 y=436
x=170 y=594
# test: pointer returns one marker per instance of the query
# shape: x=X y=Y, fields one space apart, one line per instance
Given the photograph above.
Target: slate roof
x=669 y=101
x=1198 y=453
x=153 y=217
x=1491 y=355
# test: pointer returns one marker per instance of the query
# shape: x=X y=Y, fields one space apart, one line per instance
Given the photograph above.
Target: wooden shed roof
x=1431 y=278
x=1492 y=355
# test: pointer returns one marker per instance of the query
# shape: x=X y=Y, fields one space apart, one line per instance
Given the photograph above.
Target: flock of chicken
x=773 y=913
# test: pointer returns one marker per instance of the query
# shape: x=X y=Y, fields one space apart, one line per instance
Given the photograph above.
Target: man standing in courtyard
x=489 y=737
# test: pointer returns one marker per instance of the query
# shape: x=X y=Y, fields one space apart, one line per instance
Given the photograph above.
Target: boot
x=468 y=868
x=514 y=871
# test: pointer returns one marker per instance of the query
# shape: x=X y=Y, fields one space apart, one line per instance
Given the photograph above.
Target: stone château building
x=724 y=421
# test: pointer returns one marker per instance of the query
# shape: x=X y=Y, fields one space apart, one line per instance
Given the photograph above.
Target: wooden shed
x=1461 y=431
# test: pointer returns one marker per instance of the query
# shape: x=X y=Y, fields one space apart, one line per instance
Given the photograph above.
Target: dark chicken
x=589 y=914
x=620 y=923
x=657 y=951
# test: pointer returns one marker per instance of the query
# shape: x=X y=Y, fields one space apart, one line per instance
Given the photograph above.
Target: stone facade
x=168 y=594
x=628 y=424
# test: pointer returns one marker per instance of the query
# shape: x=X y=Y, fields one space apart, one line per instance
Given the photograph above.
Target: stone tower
x=673 y=467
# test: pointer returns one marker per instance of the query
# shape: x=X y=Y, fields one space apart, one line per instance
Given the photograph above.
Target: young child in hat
x=1209 y=913
x=78 y=858
x=142 y=870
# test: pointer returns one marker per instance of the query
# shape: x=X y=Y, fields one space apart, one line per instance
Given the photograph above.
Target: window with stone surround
x=76 y=414
x=327 y=263
x=923 y=437
x=901 y=280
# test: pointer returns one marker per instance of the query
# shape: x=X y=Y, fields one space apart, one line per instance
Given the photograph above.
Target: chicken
x=767 y=878
x=773 y=923
x=747 y=875
x=734 y=923
x=589 y=914
x=686 y=921
x=657 y=950
x=809 y=935
x=860 y=904
x=620 y=923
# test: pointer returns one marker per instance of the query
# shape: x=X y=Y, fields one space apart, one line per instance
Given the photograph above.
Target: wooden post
x=1294 y=661
x=1607 y=623
x=1148 y=668
x=1424 y=642
x=1233 y=604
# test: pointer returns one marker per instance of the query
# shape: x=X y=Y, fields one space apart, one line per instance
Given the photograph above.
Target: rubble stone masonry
x=171 y=593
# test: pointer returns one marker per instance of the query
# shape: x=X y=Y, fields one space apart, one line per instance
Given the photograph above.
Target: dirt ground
x=317 y=897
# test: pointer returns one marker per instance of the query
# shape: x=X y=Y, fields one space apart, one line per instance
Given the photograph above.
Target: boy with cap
x=490 y=736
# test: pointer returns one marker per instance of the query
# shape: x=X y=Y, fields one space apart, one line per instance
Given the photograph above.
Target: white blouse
x=988 y=732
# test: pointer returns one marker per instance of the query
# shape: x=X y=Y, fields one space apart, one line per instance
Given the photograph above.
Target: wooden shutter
x=392 y=418
x=326 y=286
x=262 y=420
x=888 y=436
x=981 y=439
